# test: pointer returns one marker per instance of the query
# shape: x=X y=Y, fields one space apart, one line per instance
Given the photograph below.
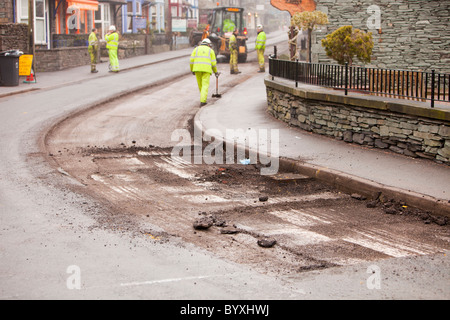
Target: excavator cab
x=223 y=21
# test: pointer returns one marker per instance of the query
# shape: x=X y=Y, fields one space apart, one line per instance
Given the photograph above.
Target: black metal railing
x=414 y=85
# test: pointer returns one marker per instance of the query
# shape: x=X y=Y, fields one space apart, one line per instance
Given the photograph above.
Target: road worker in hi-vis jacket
x=261 y=47
x=93 y=50
x=234 y=54
x=203 y=65
x=112 y=44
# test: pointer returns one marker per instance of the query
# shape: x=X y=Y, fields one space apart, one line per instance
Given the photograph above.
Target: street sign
x=179 y=25
x=192 y=23
x=25 y=64
x=140 y=23
x=294 y=6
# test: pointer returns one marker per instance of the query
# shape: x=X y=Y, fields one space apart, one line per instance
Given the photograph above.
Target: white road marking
x=181 y=173
x=390 y=247
x=151 y=282
x=299 y=218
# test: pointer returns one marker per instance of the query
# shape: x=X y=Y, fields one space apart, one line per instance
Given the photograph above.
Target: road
x=94 y=189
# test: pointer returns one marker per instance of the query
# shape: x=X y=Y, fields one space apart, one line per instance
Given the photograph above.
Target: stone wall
x=413 y=35
x=14 y=36
x=398 y=127
x=6 y=12
x=62 y=58
x=69 y=57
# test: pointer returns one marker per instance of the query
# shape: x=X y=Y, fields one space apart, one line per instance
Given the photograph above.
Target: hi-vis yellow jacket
x=112 y=41
x=261 y=41
x=233 y=43
x=93 y=41
x=203 y=59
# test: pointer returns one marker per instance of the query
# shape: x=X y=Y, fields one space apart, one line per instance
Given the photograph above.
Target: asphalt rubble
x=397 y=183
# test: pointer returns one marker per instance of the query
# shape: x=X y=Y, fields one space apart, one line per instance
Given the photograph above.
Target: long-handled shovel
x=217 y=94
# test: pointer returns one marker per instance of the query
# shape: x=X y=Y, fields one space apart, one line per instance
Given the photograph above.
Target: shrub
x=346 y=43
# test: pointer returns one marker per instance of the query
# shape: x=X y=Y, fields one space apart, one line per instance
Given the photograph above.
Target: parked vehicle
x=222 y=21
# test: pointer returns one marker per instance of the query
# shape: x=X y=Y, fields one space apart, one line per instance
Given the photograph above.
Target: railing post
x=346 y=78
x=273 y=60
x=296 y=73
x=432 y=87
x=271 y=68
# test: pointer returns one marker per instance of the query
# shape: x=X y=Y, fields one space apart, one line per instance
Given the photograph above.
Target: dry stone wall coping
x=406 y=127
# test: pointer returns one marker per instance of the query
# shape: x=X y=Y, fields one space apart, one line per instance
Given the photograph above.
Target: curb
x=349 y=184
x=372 y=190
x=26 y=90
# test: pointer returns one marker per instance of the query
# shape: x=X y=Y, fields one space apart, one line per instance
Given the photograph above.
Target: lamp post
x=32 y=47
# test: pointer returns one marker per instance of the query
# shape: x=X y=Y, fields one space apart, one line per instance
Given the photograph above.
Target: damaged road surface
x=282 y=225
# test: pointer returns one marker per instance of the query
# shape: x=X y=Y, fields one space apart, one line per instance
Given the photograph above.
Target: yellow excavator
x=222 y=21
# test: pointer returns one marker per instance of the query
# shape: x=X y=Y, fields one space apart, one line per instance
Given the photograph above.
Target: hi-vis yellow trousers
x=203 y=84
x=113 y=60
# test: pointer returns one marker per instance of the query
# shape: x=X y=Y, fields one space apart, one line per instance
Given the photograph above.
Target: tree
x=346 y=43
x=309 y=20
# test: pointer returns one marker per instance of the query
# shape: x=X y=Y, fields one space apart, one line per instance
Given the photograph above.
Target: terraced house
x=61 y=27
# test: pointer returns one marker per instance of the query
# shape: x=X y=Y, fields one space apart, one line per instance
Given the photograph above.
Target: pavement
x=56 y=79
x=353 y=168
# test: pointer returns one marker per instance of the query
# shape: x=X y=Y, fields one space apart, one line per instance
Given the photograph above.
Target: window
x=40 y=21
x=23 y=12
x=40 y=29
x=175 y=8
x=227 y=21
x=157 y=16
x=78 y=20
x=130 y=14
x=103 y=19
